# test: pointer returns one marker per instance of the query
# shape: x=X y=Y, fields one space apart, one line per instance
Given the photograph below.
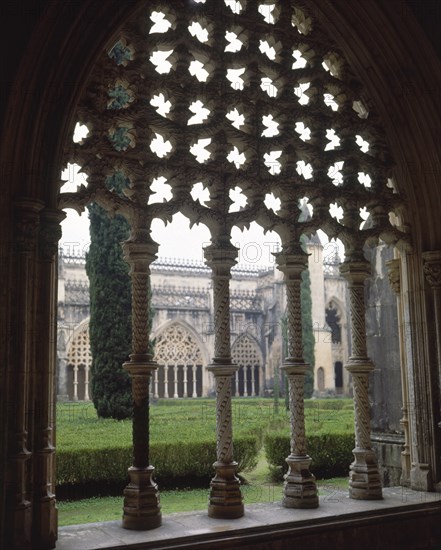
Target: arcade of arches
x=332 y=102
x=181 y=293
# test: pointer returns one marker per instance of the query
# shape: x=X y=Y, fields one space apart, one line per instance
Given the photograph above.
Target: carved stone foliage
x=432 y=268
x=233 y=96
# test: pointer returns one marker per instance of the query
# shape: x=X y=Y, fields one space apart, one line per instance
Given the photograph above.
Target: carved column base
x=142 y=509
x=300 y=489
x=420 y=477
x=405 y=469
x=46 y=522
x=225 y=497
x=20 y=525
x=364 y=477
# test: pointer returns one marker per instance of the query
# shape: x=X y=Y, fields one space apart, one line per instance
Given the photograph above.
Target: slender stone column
x=141 y=496
x=236 y=381
x=395 y=283
x=245 y=381
x=75 y=383
x=195 y=393
x=300 y=489
x=18 y=511
x=175 y=382
x=364 y=479
x=225 y=495
x=185 y=389
x=44 y=510
x=155 y=375
x=166 y=381
x=86 y=383
x=253 y=382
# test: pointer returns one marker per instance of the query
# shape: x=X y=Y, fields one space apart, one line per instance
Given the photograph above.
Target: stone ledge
x=403 y=515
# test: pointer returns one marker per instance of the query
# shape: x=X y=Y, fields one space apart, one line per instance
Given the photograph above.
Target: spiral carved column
x=300 y=489
x=142 y=509
x=225 y=499
x=364 y=478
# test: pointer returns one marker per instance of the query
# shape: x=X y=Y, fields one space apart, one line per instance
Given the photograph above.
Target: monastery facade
x=183 y=327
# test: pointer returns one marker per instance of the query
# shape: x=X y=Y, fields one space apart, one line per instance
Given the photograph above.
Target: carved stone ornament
x=27 y=221
x=216 y=98
x=50 y=232
x=432 y=268
x=393 y=273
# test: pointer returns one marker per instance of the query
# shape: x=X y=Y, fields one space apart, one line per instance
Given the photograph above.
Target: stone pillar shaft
x=300 y=490
x=194 y=381
x=364 y=482
x=432 y=272
x=225 y=495
x=18 y=510
x=45 y=519
x=141 y=496
x=394 y=273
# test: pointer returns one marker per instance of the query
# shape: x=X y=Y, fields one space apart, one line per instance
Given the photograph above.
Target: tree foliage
x=110 y=310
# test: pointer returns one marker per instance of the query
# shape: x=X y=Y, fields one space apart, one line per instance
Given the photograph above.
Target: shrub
x=172 y=460
x=331 y=453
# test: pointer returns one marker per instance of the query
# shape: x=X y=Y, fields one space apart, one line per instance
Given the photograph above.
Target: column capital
x=432 y=267
x=50 y=232
x=27 y=220
x=394 y=274
x=140 y=254
x=355 y=272
x=221 y=256
x=291 y=263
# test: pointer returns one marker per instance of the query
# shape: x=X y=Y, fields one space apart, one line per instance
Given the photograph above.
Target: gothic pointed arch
x=41 y=96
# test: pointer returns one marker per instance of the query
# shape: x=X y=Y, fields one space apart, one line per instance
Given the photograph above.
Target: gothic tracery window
x=249 y=97
x=251 y=100
x=245 y=353
x=180 y=363
x=79 y=359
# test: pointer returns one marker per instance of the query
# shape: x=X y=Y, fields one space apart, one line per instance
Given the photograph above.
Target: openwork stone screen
x=79 y=359
x=198 y=100
x=176 y=346
x=246 y=354
x=233 y=112
x=180 y=364
x=79 y=351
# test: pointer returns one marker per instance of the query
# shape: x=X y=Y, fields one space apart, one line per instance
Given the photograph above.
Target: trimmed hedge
x=331 y=453
x=177 y=460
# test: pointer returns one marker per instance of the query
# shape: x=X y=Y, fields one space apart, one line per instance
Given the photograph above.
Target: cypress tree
x=110 y=310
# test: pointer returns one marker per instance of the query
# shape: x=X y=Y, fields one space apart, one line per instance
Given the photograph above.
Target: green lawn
x=79 y=428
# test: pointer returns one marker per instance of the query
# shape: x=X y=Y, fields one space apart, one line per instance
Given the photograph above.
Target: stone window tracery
x=253 y=103
x=246 y=354
x=180 y=364
x=244 y=97
x=79 y=358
